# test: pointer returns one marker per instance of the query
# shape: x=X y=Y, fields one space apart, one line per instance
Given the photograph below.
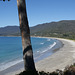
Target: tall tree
x=25 y=33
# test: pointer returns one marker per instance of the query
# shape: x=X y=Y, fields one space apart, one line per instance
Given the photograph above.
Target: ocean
x=11 y=50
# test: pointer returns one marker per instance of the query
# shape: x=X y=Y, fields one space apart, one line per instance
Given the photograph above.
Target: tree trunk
x=25 y=33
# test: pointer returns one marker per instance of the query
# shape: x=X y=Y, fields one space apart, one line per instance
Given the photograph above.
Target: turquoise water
x=11 y=50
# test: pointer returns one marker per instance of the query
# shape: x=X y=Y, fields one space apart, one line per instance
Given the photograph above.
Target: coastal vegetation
x=69 y=70
x=61 y=29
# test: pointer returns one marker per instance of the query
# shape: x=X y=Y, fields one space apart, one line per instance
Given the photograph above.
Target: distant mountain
x=10 y=31
x=64 y=29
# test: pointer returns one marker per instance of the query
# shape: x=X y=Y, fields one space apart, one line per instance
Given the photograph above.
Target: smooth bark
x=25 y=33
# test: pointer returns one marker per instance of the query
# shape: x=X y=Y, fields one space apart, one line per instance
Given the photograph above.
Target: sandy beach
x=59 y=60
x=63 y=57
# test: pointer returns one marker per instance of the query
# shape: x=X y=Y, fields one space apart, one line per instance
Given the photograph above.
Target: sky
x=38 y=11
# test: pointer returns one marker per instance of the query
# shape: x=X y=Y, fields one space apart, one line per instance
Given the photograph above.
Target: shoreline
x=59 y=60
x=52 y=63
x=42 y=56
x=51 y=50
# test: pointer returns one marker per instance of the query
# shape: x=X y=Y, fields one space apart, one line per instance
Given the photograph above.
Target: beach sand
x=59 y=60
x=63 y=57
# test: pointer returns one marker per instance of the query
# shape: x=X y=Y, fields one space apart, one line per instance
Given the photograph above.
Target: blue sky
x=38 y=11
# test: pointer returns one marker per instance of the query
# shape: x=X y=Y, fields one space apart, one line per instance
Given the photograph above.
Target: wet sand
x=59 y=60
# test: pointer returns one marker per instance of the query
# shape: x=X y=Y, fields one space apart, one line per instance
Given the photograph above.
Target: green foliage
x=61 y=29
x=65 y=35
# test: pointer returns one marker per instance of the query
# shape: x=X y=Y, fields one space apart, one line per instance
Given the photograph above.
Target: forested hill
x=65 y=29
x=10 y=31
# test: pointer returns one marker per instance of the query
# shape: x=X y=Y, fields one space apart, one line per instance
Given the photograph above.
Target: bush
x=69 y=70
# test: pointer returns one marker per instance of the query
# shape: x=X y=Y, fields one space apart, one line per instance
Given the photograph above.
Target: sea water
x=11 y=50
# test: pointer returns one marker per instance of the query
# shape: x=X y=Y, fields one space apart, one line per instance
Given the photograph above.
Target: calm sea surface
x=11 y=49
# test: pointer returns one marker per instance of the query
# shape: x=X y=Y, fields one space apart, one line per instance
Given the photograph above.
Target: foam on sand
x=4 y=66
x=60 y=59
x=51 y=46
